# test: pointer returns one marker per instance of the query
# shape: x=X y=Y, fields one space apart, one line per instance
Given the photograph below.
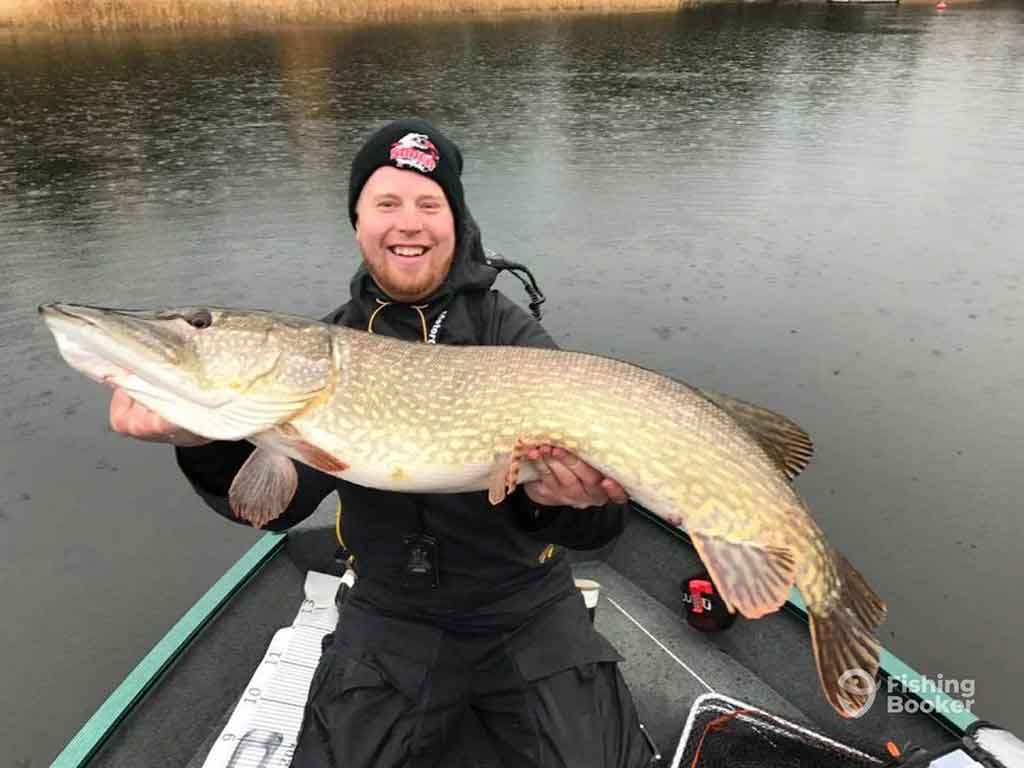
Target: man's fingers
x=547 y=492
x=156 y=424
x=566 y=478
x=130 y=418
x=120 y=404
x=126 y=416
x=614 y=491
x=588 y=476
x=539 y=493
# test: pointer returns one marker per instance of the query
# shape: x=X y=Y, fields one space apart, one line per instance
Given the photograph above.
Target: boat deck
x=765 y=663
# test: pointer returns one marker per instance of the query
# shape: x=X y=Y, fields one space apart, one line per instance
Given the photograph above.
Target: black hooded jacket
x=497 y=565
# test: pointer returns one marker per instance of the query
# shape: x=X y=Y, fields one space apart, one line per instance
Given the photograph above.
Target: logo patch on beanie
x=415 y=150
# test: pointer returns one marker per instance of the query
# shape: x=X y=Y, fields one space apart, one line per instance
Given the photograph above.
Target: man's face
x=406 y=232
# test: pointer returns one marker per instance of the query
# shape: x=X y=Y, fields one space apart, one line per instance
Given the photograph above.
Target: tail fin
x=845 y=647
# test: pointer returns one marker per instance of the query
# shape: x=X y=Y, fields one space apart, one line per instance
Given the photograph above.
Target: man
x=460 y=606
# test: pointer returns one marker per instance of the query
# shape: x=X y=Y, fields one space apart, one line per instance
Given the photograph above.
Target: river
x=811 y=207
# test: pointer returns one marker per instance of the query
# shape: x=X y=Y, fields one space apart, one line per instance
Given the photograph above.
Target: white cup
x=591 y=590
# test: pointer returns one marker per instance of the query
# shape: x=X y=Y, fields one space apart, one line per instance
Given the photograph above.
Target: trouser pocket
x=363 y=714
x=564 y=703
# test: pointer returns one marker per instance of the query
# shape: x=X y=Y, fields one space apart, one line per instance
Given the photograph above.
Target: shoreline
x=172 y=15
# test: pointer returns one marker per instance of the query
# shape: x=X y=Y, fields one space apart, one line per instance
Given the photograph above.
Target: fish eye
x=201 y=318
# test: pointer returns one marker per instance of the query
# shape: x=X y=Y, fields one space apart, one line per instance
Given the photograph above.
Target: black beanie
x=414 y=145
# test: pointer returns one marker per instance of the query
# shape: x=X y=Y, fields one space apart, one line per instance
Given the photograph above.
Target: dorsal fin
x=782 y=439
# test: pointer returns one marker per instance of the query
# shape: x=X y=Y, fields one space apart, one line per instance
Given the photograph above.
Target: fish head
x=221 y=373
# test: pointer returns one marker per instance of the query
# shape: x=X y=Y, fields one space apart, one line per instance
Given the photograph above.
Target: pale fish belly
x=398 y=470
x=412 y=477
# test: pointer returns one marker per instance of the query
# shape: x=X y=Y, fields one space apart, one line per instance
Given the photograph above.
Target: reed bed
x=183 y=14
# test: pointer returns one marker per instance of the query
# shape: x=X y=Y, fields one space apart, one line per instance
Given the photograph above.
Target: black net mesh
x=726 y=734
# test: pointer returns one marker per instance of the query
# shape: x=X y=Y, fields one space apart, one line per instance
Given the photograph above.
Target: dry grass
x=181 y=14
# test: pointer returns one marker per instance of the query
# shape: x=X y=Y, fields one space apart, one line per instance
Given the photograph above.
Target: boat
x=225 y=686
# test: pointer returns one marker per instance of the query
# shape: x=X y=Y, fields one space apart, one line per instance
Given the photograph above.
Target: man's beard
x=404 y=288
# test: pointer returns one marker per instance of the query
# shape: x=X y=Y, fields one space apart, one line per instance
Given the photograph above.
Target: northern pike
x=431 y=418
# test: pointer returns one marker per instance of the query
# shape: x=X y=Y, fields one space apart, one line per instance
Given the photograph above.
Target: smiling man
x=461 y=610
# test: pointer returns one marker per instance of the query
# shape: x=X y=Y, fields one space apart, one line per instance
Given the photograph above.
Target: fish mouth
x=76 y=312
x=84 y=343
x=92 y=315
x=149 y=333
x=104 y=320
x=118 y=347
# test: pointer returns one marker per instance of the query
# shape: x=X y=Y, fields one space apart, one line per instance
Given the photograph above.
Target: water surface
x=813 y=208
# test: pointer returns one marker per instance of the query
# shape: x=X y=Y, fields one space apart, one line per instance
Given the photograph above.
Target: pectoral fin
x=509 y=469
x=753 y=579
x=503 y=478
x=263 y=487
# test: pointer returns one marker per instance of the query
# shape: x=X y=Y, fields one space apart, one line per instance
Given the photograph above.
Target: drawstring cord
x=423 y=318
x=380 y=305
x=418 y=307
x=514 y=268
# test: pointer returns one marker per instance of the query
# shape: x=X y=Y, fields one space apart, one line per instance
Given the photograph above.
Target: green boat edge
x=101 y=725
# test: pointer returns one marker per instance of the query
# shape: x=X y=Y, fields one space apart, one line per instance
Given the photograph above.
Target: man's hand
x=566 y=480
x=133 y=419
